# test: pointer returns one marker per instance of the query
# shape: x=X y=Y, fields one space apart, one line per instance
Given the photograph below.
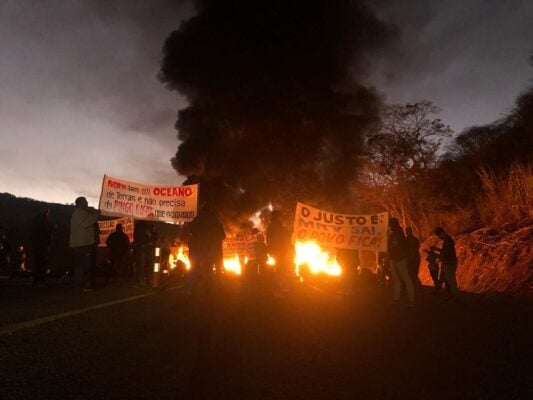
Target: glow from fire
x=233 y=265
x=182 y=254
x=271 y=261
x=311 y=255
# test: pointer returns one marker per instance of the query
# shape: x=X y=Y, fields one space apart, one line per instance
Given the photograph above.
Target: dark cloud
x=80 y=96
x=276 y=102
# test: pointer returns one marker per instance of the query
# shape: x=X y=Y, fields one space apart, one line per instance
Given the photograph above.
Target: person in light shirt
x=82 y=240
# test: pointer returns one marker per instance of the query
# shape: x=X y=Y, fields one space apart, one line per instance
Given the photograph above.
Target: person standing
x=141 y=242
x=433 y=265
x=151 y=244
x=397 y=250
x=82 y=241
x=261 y=251
x=118 y=245
x=205 y=247
x=448 y=260
x=5 y=252
x=41 y=238
x=279 y=244
x=413 y=255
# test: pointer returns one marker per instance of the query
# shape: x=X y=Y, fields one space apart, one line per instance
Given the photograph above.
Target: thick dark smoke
x=276 y=112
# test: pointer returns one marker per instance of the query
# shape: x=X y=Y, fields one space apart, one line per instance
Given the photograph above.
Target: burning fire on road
x=233 y=265
x=180 y=254
x=310 y=256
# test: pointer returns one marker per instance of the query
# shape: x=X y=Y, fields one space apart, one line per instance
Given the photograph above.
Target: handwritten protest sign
x=176 y=204
x=343 y=231
x=242 y=246
x=108 y=227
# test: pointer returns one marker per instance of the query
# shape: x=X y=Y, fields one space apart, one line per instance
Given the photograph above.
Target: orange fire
x=233 y=265
x=310 y=255
x=179 y=254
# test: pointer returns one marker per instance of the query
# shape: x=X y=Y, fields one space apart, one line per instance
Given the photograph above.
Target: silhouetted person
x=397 y=251
x=432 y=259
x=165 y=252
x=448 y=260
x=141 y=245
x=5 y=252
x=94 y=256
x=118 y=245
x=82 y=241
x=41 y=238
x=205 y=247
x=151 y=244
x=279 y=245
x=413 y=255
x=19 y=261
x=261 y=252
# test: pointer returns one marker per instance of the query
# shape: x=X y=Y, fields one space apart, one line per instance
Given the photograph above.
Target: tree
x=400 y=154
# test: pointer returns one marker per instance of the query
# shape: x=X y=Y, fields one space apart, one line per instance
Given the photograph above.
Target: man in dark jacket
x=413 y=255
x=119 y=248
x=448 y=260
x=41 y=238
x=141 y=247
x=397 y=251
x=279 y=242
x=205 y=246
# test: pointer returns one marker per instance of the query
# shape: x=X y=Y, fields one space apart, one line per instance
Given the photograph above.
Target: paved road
x=245 y=343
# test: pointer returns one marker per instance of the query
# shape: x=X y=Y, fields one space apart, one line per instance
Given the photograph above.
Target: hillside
x=493 y=260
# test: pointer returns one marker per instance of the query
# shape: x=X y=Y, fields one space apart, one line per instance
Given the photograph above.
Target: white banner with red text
x=177 y=204
x=108 y=227
x=242 y=246
x=341 y=231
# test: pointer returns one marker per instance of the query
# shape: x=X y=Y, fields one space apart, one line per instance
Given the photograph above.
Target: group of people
x=12 y=258
x=204 y=236
x=404 y=261
x=83 y=243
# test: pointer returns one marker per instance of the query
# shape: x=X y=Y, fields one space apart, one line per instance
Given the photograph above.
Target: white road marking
x=9 y=329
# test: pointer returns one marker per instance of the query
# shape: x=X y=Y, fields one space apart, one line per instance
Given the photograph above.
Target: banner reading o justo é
x=341 y=231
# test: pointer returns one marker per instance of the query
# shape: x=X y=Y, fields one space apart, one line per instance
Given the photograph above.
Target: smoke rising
x=276 y=109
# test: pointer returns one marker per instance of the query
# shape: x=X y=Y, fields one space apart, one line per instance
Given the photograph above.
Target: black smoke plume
x=276 y=112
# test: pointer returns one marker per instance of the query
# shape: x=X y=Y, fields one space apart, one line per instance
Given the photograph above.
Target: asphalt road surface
x=245 y=342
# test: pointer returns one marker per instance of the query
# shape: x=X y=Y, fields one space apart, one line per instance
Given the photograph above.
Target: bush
x=506 y=198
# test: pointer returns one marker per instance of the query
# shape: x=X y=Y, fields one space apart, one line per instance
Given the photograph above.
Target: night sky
x=80 y=96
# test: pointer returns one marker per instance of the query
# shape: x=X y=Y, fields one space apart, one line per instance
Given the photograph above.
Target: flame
x=181 y=254
x=316 y=259
x=270 y=260
x=233 y=265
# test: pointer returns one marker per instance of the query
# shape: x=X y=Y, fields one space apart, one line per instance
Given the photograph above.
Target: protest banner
x=108 y=227
x=177 y=204
x=342 y=231
x=242 y=246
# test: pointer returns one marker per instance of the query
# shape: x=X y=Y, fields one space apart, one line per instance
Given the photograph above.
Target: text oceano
x=182 y=191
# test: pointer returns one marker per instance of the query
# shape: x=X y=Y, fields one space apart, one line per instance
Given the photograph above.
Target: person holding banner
x=82 y=241
x=397 y=249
